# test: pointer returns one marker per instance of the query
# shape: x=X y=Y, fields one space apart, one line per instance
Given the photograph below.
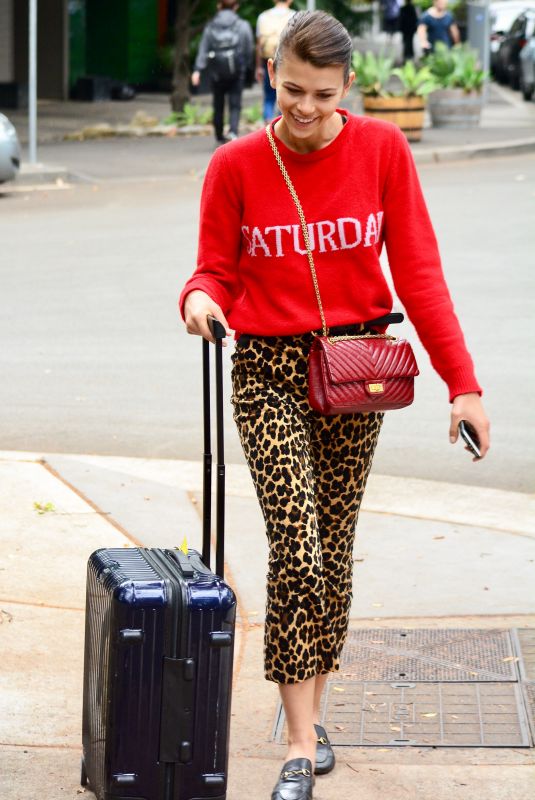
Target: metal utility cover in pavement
x=525 y=643
x=413 y=654
x=371 y=713
x=430 y=687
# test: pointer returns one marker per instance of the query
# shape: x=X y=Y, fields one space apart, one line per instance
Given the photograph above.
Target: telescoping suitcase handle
x=219 y=333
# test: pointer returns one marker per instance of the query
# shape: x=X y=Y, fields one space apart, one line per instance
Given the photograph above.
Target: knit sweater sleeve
x=219 y=237
x=417 y=272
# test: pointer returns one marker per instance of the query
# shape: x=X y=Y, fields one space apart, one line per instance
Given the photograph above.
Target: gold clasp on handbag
x=376 y=388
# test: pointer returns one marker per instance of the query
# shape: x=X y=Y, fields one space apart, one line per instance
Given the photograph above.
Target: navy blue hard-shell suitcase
x=159 y=643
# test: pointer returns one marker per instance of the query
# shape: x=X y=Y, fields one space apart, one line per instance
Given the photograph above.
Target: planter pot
x=405 y=112
x=455 y=108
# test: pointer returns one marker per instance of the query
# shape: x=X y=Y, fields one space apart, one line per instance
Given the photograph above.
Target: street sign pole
x=479 y=35
x=32 y=83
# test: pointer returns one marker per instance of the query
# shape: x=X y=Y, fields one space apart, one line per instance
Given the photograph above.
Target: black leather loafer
x=295 y=782
x=325 y=759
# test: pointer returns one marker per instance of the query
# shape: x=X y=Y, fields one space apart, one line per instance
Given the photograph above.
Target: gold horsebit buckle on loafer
x=322 y=740
x=306 y=772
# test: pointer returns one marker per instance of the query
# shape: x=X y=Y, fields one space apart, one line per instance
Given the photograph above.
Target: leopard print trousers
x=309 y=472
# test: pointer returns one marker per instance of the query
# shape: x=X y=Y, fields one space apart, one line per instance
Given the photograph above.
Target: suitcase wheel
x=83 y=774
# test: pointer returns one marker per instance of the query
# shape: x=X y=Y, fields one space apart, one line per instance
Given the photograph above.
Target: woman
x=358 y=187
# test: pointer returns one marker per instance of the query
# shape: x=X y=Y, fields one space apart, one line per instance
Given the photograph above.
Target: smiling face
x=308 y=97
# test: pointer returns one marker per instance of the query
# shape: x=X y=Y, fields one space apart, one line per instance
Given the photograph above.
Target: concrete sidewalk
x=428 y=555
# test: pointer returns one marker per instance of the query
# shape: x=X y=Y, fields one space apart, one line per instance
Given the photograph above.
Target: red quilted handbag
x=349 y=374
x=366 y=373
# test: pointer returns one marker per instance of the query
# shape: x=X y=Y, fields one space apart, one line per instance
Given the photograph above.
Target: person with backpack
x=226 y=52
x=269 y=27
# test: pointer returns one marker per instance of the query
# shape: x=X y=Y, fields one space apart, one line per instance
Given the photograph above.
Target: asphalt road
x=94 y=358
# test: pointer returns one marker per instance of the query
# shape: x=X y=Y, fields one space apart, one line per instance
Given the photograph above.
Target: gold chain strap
x=334 y=339
x=304 y=228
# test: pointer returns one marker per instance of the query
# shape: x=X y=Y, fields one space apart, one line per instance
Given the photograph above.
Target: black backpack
x=224 y=54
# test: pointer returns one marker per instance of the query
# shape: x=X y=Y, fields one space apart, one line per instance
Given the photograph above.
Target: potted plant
x=458 y=101
x=396 y=95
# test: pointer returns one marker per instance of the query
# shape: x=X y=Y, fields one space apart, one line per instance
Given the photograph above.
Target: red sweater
x=359 y=192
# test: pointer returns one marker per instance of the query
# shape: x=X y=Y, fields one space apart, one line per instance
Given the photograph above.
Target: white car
x=9 y=150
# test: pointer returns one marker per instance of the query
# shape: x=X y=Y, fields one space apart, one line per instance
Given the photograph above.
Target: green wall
x=122 y=39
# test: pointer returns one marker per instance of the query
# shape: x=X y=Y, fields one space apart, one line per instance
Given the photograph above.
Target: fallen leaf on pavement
x=44 y=508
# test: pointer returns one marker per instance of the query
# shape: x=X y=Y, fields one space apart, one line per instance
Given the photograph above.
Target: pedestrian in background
x=269 y=27
x=253 y=275
x=438 y=25
x=226 y=52
x=390 y=10
x=408 y=24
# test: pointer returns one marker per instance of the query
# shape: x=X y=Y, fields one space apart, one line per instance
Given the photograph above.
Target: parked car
x=9 y=150
x=527 y=69
x=520 y=32
x=502 y=15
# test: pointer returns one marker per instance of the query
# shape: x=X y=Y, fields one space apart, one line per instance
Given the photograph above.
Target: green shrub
x=373 y=77
x=252 y=114
x=191 y=115
x=416 y=82
x=456 y=67
x=372 y=73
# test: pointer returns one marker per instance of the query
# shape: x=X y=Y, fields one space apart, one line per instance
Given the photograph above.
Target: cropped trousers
x=309 y=472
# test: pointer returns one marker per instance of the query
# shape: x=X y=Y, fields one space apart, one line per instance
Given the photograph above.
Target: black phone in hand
x=470 y=437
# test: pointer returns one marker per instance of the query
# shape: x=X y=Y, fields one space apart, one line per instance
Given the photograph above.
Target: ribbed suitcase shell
x=157 y=677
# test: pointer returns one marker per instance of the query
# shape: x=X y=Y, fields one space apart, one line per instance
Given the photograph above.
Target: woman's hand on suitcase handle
x=470 y=408
x=197 y=308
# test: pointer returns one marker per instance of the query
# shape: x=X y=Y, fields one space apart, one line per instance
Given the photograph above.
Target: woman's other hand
x=470 y=408
x=195 y=78
x=197 y=308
